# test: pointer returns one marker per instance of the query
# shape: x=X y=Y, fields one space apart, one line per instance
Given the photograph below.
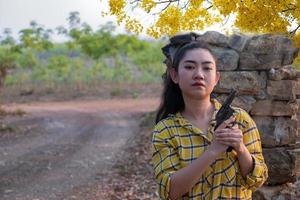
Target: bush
x=90 y=56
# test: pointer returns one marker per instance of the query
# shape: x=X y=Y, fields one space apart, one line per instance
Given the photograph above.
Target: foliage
x=172 y=16
x=27 y=59
x=7 y=61
x=88 y=57
x=35 y=37
x=8 y=39
x=13 y=54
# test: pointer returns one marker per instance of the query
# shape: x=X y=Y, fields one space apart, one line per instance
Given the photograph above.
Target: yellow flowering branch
x=259 y=16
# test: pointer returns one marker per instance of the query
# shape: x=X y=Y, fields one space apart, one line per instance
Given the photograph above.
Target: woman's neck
x=198 y=109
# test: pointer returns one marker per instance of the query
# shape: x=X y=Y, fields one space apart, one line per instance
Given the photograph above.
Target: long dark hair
x=172 y=99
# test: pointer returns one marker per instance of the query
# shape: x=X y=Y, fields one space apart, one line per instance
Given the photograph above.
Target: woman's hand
x=230 y=137
x=234 y=137
x=217 y=146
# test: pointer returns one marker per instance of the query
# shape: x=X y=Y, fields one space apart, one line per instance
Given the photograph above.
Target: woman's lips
x=198 y=85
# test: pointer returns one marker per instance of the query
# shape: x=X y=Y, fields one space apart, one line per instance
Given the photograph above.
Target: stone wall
x=259 y=67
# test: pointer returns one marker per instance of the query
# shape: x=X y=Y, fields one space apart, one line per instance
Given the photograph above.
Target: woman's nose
x=198 y=74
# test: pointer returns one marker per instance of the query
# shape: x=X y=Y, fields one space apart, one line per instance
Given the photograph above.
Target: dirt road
x=59 y=146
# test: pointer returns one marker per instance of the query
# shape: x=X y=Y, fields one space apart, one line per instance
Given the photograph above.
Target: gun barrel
x=225 y=110
x=230 y=97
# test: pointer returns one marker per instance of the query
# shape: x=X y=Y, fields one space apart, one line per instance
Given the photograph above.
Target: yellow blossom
x=171 y=17
x=196 y=3
x=116 y=6
x=225 y=7
x=169 y=21
x=147 y=5
x=153 y=32
x=120 y=17
x=133 y=25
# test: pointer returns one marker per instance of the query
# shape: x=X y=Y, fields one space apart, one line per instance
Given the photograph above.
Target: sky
x=17 y=14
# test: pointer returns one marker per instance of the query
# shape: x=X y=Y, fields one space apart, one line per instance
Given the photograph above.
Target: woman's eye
x=207 y=68
x=188 y=67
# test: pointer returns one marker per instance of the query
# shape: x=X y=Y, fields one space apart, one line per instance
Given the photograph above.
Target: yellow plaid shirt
x=176 y=143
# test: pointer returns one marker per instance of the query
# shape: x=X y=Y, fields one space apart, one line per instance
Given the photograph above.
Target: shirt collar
x=185 y=123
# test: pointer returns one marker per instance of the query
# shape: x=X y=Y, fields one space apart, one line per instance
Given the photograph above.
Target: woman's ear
x=174 y=74
x=218 y=75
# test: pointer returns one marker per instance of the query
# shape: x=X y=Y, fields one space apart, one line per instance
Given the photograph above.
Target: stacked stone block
x=260 y=69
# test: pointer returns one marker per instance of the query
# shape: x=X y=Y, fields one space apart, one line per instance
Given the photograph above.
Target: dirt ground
x=84 y=145
x=71 y=149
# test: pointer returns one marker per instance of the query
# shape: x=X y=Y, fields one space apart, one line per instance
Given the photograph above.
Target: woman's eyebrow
x=194 y=62
x=207 y=62
x=190 y=61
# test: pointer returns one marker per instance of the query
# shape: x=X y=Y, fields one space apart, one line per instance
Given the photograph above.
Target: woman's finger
x=229 y=134
x=226 y=122
x=229 y=140
x=228 y=143
x=235 y=126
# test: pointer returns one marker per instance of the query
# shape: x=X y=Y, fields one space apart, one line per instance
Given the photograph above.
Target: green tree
x=8 y=58
x=36 y=37
x=33 y=38
x=7 y=38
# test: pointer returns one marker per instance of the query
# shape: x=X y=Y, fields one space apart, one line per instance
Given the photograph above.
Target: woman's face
x=196 y=75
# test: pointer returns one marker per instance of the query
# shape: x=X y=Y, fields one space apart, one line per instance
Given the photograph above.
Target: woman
x=190 y=158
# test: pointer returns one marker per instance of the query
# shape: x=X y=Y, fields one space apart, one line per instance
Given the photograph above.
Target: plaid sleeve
x=251 y=139
x=164 y=158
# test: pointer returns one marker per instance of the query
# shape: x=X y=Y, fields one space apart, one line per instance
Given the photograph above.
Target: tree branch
x=169 y=1
x=185 y=6
x=226 y=20
x=209 y=2
x=135 y=1
x=165 y=8
x=295 y=30
x=208 y=7
x=157 y=2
